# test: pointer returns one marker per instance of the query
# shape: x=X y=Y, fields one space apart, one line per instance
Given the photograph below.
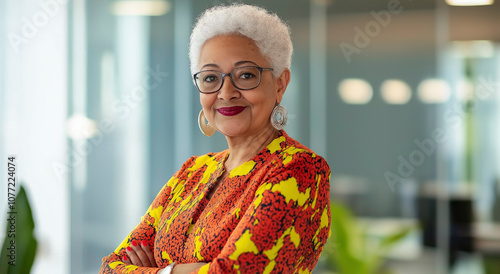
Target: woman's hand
x=186 y=268
x=139 y=255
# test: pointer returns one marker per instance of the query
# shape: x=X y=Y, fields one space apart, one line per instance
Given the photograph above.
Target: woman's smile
x=231 y=111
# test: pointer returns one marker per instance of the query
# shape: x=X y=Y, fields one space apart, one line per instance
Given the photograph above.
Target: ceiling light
x=469 y=2
x=465 y=90
x=140 y=8
x=355 y=91
x=433 y=91
x=473 y=49
x=395 y=92
x=79 y=127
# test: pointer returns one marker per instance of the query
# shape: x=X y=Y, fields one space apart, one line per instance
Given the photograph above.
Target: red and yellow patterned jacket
x=270 y=215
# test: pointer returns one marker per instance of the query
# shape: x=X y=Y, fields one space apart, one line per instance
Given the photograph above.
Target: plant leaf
x=347 y=241
x=386 y=243
x=25 y=242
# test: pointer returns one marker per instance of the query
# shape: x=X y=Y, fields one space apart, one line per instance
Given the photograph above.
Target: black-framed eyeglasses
x=243 y=78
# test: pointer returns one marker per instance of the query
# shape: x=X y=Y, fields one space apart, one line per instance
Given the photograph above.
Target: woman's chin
x=233 y=130
x=232 y=133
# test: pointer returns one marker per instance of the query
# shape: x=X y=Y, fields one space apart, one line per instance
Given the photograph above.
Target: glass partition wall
x=401 y=97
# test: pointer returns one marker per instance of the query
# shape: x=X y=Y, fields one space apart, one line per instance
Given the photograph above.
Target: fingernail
x=144 y=243
x=129 y=248
x=124 y=258
x=134 y=243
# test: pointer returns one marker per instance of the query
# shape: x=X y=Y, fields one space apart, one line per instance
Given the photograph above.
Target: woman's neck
x=243 y=148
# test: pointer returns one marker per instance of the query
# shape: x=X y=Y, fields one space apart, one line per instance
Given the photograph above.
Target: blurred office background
x=401 y=97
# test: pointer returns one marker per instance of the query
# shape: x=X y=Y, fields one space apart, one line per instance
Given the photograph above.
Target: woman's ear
x=282 y=83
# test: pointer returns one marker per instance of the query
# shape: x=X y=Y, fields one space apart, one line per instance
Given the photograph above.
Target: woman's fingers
x=149 y=253
x=134 y=259
x=139 y=256
x=126 y=260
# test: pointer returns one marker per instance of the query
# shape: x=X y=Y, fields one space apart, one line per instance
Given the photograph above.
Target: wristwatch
x=168 y=269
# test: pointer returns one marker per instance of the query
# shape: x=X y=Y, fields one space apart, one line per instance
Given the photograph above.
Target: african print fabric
x=270 y=215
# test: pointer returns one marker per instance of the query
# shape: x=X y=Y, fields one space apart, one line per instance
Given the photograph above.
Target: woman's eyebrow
x=235 y=64
x=210 y=65
x=243 y=62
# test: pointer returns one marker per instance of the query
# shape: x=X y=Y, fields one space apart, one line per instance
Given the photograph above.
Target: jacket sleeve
x=145 y=230
x=285 y=227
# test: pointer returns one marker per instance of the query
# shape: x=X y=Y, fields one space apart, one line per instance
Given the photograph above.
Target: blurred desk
x=486 y=237
x=410 y=256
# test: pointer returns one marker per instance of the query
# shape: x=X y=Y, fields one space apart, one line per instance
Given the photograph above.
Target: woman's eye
x=247 y=75
x=210 y=78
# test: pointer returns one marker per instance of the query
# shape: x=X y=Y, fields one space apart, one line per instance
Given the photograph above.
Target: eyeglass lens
x=243 y=78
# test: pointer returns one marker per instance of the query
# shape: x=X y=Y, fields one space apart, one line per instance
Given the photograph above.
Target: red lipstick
x=230 y=111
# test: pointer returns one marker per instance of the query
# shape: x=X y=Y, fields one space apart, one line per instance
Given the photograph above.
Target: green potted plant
x=348 y=250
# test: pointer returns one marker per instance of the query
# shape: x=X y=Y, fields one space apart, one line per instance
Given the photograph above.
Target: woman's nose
x=228 y=91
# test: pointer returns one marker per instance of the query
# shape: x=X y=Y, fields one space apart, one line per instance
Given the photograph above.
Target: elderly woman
x=260 y=206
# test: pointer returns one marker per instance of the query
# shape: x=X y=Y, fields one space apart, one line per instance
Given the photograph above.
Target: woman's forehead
x=230 y=50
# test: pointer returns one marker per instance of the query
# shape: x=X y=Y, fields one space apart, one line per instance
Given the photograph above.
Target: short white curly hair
x=270 y=33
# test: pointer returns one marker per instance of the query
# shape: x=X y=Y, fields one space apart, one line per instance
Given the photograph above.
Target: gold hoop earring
x=205 y=127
